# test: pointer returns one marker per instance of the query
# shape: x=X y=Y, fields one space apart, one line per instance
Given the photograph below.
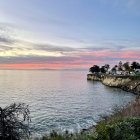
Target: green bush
x=68 y=136
x=128 y=129
x=123 y=129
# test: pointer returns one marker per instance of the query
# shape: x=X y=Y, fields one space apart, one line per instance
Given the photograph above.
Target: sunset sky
x=68 y=34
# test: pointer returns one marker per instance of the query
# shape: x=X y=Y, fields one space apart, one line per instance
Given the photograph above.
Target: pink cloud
x=83 y=60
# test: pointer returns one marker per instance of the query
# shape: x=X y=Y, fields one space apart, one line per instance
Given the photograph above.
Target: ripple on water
x=60 y=100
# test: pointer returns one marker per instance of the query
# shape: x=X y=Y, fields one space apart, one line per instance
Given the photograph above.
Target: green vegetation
x=123 y=129
x=123 y=125
x=68 y=136
x=96 y=69
x=120 y=69
x=14 y=122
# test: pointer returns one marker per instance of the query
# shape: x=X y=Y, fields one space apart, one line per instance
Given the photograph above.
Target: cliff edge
x=127 y=83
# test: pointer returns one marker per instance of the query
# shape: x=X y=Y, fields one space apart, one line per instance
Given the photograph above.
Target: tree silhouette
x=126 y=66
x=94 y=69
x=105 y=68
x=102 y=69
x=14 y=122
x=135 y=65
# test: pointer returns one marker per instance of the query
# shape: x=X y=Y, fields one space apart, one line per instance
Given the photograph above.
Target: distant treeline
x=126 y=67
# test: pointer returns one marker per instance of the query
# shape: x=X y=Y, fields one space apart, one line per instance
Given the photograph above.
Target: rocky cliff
x=127 y=83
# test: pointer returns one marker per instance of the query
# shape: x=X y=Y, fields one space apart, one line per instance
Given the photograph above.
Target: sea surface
x=60 y=100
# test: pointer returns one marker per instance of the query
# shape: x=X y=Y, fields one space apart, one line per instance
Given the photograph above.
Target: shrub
x=128 y=129
x=14 y=122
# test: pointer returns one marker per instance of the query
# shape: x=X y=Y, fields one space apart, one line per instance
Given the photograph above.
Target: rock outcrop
x=127 y=83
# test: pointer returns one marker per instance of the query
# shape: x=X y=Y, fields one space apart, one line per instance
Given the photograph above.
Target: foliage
x=122 y=68
x=128 y=129
x=102 y=69
x=95 y=69
x=14 y=122
x=135 y=65
x=126 y=66
x=114 y=68
x=123 y=129
x=68 y=136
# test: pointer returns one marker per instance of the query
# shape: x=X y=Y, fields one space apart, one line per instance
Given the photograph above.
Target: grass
x=123 y=129
x=131 y=110
x=67 y=136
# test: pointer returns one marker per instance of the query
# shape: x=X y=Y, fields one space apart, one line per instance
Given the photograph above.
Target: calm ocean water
x=60 y=100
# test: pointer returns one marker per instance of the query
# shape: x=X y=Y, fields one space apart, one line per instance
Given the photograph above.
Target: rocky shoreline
x=126 y=83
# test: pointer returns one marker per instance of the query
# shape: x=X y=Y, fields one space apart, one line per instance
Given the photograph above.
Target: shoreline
x=132 y=109
x=128 y=114
x=127 y=83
